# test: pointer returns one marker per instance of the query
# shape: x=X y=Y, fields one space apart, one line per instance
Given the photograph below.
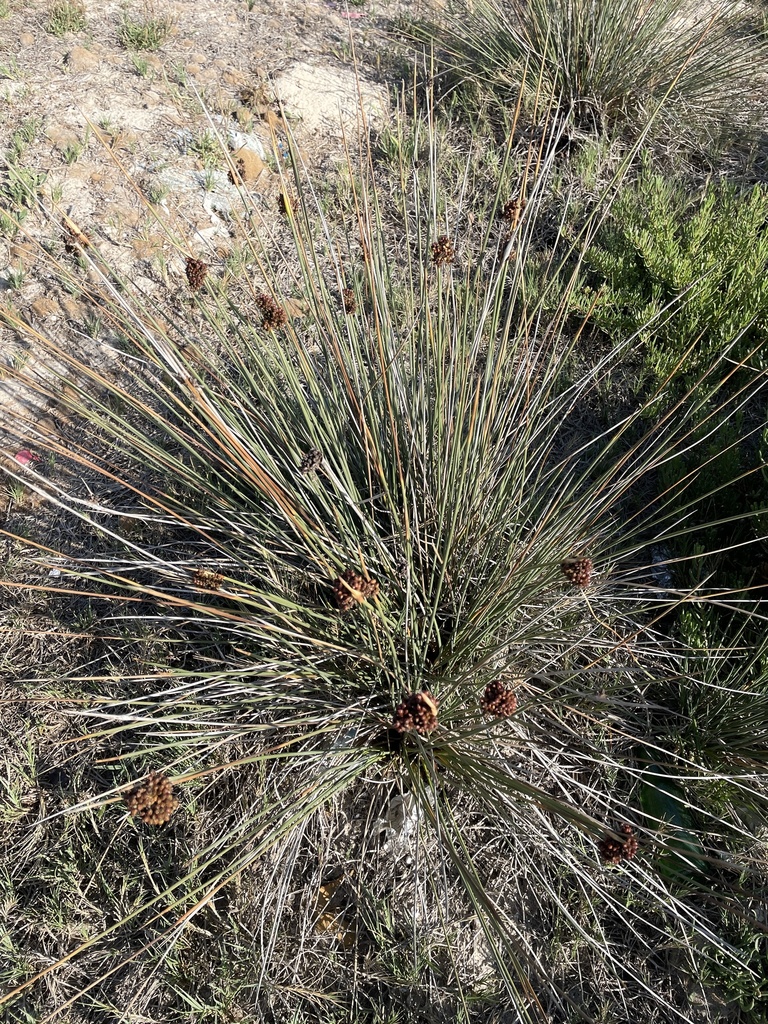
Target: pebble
x=80 y=59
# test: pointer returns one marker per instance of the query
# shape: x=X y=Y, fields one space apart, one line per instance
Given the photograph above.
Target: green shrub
x=336 y=506
x=689 y=274
x=746 y=983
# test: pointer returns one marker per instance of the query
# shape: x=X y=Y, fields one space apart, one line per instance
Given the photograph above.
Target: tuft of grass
x=19 y=187
x=23 y=136
x=9 y=68
x=72 y=152
x=206 y=147
x=613 y=62
x=350 y=515
x=745 y=985
x=148 y=32
x=156 y=192
x=66 y=16
x=15 y=277
x=141 y=65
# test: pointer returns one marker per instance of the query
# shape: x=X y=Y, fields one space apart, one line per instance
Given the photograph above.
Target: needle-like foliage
x=612 y=61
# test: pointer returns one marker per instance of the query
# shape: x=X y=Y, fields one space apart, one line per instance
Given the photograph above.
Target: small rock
x=74 y=310
x=182 y=139
x=125 y=216
x=216 y=204
x=27 y=39
x=44 y=307
x=234 y=78
x=243 y=116
x=21 y=253
x=80 y=59
x=45 y=427
x=79 y=171
x=245 y=140
x=104 y=179
x=249 y=164
x=147 y=248
x=274 y=121
x=150 y=100
x=62 y=138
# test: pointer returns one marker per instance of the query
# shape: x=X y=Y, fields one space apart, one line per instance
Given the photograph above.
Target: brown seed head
x=238 y=174
x=613 y=851
x=206 y=579
x=286 y=202
x=498 y=699
x=312 y=460
x=443 y=251
x=370 y=588
x=274 y=316
x=153 y=801
x=348 y=300
x=577 y=571
x=416 y=713
x=512 y=209
x=350 y=589
x=196 y=271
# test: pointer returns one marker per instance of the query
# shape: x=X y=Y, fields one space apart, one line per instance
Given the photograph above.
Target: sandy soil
x=118 y=136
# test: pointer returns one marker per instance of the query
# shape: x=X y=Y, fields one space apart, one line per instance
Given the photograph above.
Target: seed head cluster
x=416 y=713
x=312 y=460
x=613 y=851
x=153 y=801
x=498 y=699
x=196 y=271
x=206 y=579
x=350 y=590
x=348 y=300
x=274 y=316
x=240 y=168
x=512 y=209
x=577 y=571
x=443 y=251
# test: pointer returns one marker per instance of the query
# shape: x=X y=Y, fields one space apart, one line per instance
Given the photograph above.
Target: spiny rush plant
x=406 y=560
x=611 y=61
